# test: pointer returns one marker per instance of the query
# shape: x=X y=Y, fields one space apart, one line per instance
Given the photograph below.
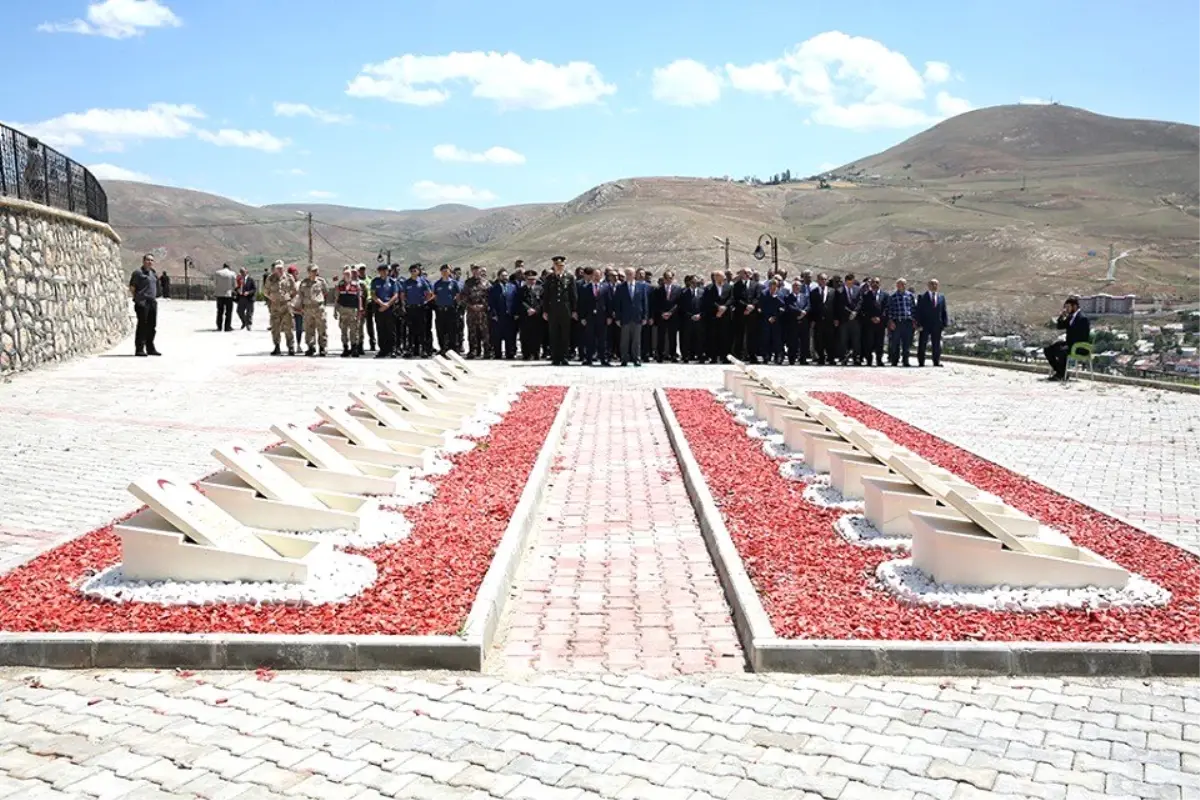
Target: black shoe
x=276 y=352
x=637 y=363
x=140 y=354
x=151 y=352
x=310 y=352
x=345 y=352
x=291 y=352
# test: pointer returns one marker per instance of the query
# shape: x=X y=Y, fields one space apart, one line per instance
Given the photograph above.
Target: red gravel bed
x=426 y=582
x=815 y=585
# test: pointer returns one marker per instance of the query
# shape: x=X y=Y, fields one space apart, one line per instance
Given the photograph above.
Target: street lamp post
x=187 y=284
x=760 y=253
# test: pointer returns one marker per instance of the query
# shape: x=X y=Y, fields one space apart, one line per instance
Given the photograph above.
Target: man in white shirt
x=224 y=288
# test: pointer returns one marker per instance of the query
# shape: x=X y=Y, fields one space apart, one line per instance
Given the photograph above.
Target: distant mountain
x=1002 y=204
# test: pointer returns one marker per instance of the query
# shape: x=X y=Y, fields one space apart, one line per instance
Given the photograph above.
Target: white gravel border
x=857 y=529
x=761 y=429
x=336 y=579
x=914 y=587
x=820 y=493
x=797 y=470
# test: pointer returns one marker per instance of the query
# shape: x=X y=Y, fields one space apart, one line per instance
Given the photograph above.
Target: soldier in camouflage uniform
x=350 y=307
x=312 y=307
x=280 y=290
x=475 y=297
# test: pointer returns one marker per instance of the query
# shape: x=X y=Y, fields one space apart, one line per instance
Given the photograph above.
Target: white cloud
x=1034 y=101
x=111 y=128
x=493 y=155
x=504 y=78
x=321 y=195
x=937 y=72
x=117 y=19
x=254 y=140
x=763 y=78
x=111 y=172
x=950 y=106
x=305 y=110
x=851 y=82
x=685 y=82
x=443 y=193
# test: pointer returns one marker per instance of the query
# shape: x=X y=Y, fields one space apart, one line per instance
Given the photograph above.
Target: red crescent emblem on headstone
x=163 y=483
x=237 y=449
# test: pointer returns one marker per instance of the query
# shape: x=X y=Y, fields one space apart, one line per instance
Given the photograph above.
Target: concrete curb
x=218 y=651
x=766 y=652
x=1095 y=377
x=749 y=617
x=493 y=593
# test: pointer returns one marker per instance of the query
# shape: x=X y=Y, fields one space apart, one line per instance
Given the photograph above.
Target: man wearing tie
x=931 y=319
x=631 y=309
x=594 y=302
x=820 y=311
x=664 y=302
x=871 y=306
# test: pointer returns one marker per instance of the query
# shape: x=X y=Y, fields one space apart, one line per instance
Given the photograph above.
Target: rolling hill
x=1002 y=204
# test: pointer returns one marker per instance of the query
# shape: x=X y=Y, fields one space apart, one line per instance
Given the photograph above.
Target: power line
x=243 y=224
x=332 y=246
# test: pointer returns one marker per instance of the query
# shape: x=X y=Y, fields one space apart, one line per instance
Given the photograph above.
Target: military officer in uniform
x=366 y=322
x=475 y=298
x=350 y=306
x=312 y=306
x=280 y=291
x=559 y=298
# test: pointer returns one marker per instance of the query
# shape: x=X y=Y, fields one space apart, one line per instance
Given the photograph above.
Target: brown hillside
x=1002 y=204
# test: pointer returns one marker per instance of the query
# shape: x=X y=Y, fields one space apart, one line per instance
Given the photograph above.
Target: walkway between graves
x=617 y=576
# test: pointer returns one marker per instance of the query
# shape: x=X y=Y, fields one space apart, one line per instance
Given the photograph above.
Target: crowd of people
x=594 y=316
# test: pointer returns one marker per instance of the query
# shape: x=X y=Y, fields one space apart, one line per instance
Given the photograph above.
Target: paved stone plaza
x=631 y=720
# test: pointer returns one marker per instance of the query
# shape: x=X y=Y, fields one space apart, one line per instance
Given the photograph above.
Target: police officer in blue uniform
x=446 y=291
x=417 y=292
x=386 y=294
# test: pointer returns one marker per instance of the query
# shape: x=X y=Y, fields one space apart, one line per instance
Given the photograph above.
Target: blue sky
x=404 y=104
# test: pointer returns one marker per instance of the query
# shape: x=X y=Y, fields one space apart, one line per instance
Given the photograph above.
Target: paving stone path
x=617 y=576
x=93 y=424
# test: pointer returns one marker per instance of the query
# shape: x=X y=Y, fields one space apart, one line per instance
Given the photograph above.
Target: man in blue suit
x=631 y=309
x=502 y=309
x=595 y=302
x=931 y=319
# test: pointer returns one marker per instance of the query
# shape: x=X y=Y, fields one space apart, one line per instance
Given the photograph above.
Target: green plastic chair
x=1081 y=353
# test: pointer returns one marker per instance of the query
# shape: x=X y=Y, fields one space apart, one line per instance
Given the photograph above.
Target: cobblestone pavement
x=72 y=437
x=617 y=576
x=149 y=735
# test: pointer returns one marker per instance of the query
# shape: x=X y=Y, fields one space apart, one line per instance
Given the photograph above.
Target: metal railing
x=31 y=171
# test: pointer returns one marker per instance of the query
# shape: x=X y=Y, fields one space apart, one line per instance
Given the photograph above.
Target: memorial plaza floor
x=632 y=715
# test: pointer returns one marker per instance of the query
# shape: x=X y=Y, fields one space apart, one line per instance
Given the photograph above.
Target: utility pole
x=724 y=242
x=310 y=246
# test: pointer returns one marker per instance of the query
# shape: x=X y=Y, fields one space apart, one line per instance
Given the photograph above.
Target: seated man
x=1078 y=330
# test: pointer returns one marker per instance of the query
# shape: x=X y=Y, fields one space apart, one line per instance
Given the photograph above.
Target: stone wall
x=62 y=287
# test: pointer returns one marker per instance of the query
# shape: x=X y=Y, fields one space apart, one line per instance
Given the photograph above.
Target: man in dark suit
x=820 y=311
x=595 y=310
x=871 y=304
x=502 y=306
x=1078 y=329
x=247 y=292
x=529 y=317
x=664 y=303
x=717 y=303
x=747 y=322
x=771 y=312
x=931 y=319
x=631 y=310
x=691 y=314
